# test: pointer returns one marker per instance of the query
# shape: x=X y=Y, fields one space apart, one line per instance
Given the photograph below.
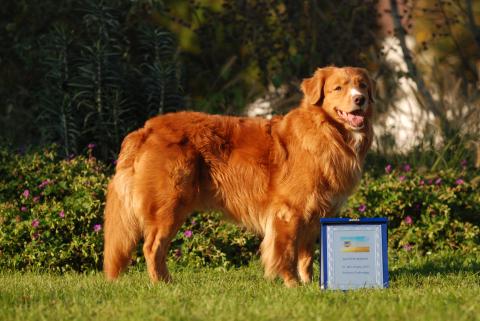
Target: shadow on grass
x=441 y=264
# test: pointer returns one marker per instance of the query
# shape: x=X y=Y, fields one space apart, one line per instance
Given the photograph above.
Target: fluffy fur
x=276 y=177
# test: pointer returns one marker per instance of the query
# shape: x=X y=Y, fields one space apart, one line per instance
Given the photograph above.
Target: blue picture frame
x=373 y=221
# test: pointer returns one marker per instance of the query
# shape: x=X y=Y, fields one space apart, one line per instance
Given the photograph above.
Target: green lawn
x=444 y=288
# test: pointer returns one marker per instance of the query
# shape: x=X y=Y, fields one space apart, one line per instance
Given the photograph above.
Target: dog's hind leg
x=158 y=235
x=122 y=232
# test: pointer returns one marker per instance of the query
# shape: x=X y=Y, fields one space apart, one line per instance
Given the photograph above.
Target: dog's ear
x=313 y=87
x=372 y=85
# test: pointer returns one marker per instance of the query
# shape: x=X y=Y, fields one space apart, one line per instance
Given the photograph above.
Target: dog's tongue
x=355 y=120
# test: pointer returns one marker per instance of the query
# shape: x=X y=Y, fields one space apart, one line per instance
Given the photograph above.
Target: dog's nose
x=359 y=100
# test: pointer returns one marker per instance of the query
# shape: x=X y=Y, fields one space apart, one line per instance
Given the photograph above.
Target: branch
x=471 y=22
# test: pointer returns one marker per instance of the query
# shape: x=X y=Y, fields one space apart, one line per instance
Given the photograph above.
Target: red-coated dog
x=276 y=177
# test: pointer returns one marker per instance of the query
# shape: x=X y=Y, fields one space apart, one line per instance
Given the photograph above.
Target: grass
x=440 y=288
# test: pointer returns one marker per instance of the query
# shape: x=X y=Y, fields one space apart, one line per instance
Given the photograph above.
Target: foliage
x=50 y=211
x=427 y=211
x=97 y=72
x=205 y=240
x=77 y=72
x=238 y=48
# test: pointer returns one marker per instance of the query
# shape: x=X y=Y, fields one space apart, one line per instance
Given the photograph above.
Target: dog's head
x=345 y=94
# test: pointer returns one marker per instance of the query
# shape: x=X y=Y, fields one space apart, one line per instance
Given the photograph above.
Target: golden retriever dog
x=275 y=177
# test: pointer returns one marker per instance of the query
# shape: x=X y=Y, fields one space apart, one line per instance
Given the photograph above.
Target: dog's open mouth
x=355 y=118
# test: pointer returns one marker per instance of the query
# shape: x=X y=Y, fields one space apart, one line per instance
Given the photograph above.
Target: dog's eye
x=338 y=88
x=363 y=85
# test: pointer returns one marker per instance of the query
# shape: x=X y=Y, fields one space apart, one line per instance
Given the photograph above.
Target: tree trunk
x=427 y=98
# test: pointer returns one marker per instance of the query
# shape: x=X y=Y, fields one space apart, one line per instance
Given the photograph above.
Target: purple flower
x=459 y=181
x=408 y=247
x=430 y=182
x=362 y=208
x=194 y=222
x=401 y=178
x=408 y=220
x=97 y=228
x=388 y=169
x=91 y=146
x=44 y=183
x=36 y=199
x=187 y=233
x=421 y=183
x=464 y=163
x=61 y=214
x=35 y=235
x=26 y=193
x=23 y=208
x=438 y=181
x=35 y=223
x=406 y=168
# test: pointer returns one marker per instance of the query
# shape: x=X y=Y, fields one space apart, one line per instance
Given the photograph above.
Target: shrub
x=427 y=212
x=50 y=211
x=206 y=240
x=51 y=214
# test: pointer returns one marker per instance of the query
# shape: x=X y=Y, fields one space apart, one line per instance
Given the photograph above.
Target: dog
x=276 y=177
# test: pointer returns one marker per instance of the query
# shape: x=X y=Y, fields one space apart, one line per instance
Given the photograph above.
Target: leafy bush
x=51 y=213
x=206 y=240
x=427 y=212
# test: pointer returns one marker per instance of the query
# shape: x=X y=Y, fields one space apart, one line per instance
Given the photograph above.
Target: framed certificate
x=353 y=253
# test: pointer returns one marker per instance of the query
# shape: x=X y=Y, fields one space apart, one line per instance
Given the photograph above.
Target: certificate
x=353 y=253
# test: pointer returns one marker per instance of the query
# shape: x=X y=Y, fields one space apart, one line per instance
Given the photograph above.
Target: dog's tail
x=122 y=226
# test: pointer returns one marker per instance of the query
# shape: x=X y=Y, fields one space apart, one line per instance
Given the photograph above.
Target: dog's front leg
x=280 y=246
x=306 y=248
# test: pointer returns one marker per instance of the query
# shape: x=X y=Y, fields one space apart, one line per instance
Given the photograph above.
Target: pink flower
x=406 y=168
x=35 y=223
x=188 y=233
x=421 y=183
x=26 y=193
x=91 y=146
x=362 y=208
x=23 y=208
x=463 y=162
x=408 y=247
x=97 y=228
x=44 y=183
x=61 y=214
x=459 y=181
x=438 y=181
x=36 y=199
x=401 y=178
x=388 y=169
x=408 y=220
x=35 y=235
